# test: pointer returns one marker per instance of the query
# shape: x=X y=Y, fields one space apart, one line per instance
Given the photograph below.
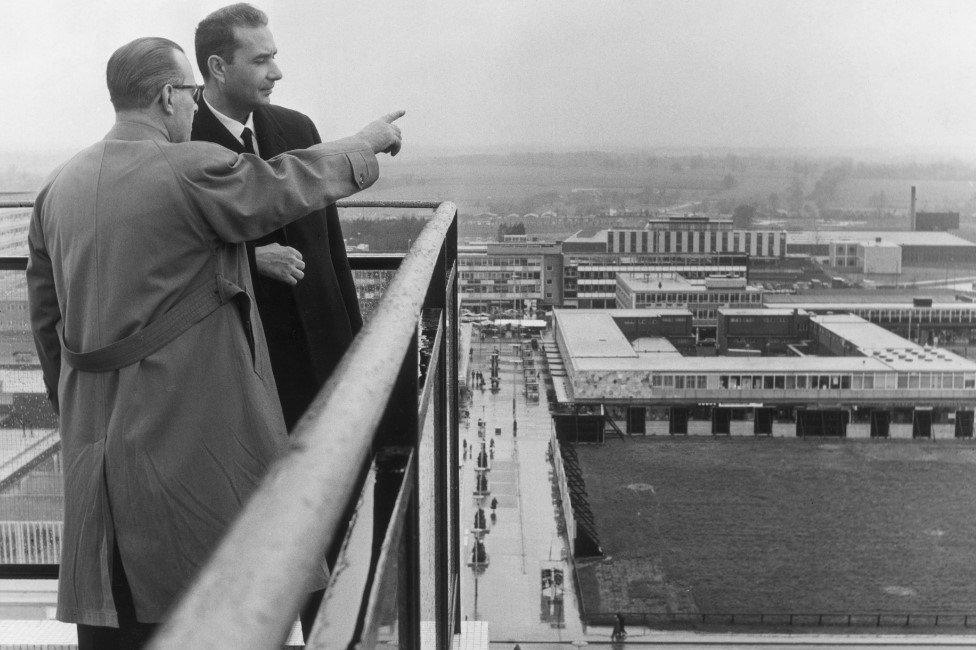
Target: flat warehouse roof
x=898 y=237
x=861 y=333
x=735 y=365
x=767 y=311
x=592 y=334
x=594 y=342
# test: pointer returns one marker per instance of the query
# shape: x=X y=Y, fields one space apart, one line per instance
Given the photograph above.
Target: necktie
x=246 y=136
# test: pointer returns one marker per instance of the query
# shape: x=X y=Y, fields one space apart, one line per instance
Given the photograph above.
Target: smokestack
x=912 y=212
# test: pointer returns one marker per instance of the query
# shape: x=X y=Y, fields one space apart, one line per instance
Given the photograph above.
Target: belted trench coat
x=161 y=454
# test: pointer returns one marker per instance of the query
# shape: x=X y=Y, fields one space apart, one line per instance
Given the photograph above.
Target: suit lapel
x=269 y=134
x=207 y=127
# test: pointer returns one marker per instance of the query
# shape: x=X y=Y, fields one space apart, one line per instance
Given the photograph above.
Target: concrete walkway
x=525 y=539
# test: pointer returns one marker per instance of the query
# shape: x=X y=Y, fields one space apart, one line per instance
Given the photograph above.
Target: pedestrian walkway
x=524 y=540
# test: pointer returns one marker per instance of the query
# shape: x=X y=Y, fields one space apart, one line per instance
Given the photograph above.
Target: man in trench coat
x=150 y=344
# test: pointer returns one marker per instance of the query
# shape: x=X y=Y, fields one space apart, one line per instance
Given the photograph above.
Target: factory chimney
x=912 y=210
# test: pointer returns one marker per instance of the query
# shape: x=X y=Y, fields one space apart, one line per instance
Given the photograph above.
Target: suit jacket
x=308 y=326
x=161 y=454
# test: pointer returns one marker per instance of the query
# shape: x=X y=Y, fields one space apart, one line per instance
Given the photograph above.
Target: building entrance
x=822 y=422
x=721 y=421
x=679 y=421
x=922 y=423
x=964 y=424
x=879 y=424
x=636 y=420
x=763 y=423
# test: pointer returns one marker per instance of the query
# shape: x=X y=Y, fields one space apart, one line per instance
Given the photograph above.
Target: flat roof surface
x=594 y=342
x=733 y=365
x=656 y=345
x=861 y=333
x=758 y=311
x=969 y=306
x=657 y=282
x=589 y=235
x=625 y=313
x=592 y=334
x=881 y=244
x=898 y=237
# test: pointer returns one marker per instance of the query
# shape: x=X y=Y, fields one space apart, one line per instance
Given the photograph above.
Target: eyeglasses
x=197 y=90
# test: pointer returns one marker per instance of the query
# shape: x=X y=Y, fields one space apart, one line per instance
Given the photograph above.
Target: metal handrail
x=249 y=593
x=420 y=205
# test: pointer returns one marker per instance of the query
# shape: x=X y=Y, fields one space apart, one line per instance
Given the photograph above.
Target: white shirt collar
x=236 y=128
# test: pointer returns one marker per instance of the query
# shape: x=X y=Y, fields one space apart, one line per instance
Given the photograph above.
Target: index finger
x=395 y=115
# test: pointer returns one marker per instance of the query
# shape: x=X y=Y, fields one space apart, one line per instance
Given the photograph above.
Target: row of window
x=525 y=290
x=655 y=298
x=925 y=315
x=833 y=381
x=711 y=258
x=466 y=260
x=499 y=276
x=768 y=243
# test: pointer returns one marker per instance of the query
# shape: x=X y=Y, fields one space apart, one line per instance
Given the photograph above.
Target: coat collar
x=269 y=132
x=207 y=127
x=135 y=129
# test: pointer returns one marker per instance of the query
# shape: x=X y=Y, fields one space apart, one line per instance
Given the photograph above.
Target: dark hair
x=138 y=70
x=215 y=33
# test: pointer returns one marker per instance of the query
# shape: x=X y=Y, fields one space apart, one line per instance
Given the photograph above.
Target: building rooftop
x=896 y=237
x=588 y=236
x=879 y=244
x=657 y=282
x=767 y=311
x=862 y=334
x=593 y=333
x=593 y=341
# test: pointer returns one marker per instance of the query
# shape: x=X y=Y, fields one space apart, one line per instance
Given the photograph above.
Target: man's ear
x=217 y=68
x=166 y=100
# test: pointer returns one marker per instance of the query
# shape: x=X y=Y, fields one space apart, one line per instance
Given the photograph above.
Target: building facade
x=859 y=380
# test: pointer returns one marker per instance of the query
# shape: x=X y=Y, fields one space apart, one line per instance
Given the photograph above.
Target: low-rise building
x=703 y=298
x=857 y=380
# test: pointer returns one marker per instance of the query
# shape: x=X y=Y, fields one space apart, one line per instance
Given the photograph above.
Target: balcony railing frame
x=249 y=593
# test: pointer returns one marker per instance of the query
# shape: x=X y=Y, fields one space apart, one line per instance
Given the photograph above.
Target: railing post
x=453 y=458
x=399 y=435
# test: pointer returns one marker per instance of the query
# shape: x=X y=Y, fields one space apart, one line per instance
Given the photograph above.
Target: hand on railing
x=382 y=135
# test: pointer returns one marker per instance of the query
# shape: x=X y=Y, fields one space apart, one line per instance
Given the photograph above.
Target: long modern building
x=851 y=378
x=839 y=247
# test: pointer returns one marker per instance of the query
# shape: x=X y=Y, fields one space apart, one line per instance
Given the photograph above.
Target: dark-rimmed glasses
x=195 y=88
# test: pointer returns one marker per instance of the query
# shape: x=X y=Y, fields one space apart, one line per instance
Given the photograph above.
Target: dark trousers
x=130 y=634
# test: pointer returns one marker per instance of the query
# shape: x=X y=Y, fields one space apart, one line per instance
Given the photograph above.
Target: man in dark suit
x=303 y=284
x=302 y=280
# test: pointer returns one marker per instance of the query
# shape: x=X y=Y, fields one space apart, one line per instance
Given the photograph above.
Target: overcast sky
x=891 y=75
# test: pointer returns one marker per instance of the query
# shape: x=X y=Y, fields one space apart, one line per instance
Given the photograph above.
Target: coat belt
x=202 y=301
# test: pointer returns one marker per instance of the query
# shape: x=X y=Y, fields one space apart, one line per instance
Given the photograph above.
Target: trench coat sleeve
x=45 y=314
x=243 y=197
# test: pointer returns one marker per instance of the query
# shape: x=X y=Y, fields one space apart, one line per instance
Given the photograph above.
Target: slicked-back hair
x=138 y=70
x=215 y=33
